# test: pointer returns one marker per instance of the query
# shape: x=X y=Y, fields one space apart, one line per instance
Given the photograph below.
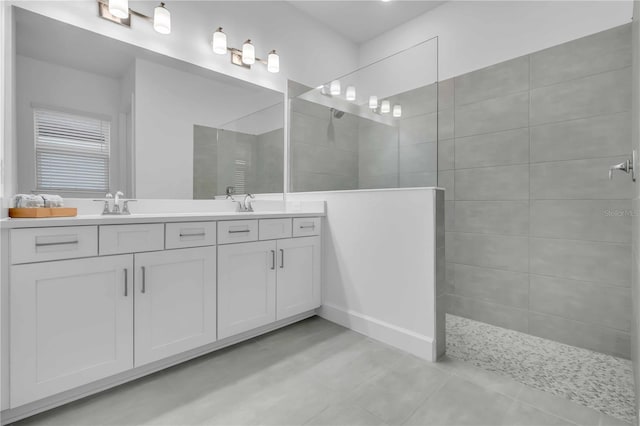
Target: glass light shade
x=162 y=19
x=248 y=53
x=385 y=107
x=273 y=62
x=397 y=111
x=373 y=102
x=119 y=8
x=219 y=42
x=351 y=93
x=334 y=87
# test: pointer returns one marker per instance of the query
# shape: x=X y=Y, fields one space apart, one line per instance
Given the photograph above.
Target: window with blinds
x=72 y=152
x=240 y=177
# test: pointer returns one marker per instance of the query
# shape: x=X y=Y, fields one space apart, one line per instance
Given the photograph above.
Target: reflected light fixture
x=248 y=53
x=219 y=42
x=118 y=12
x=385 y=107
x=397 y=111
x=273 y=62
x=373 y=102
x=334 y=87
x=351 y=93
x=162 y=19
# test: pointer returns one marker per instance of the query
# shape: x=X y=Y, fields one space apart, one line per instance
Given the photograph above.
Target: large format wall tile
x=446 y=123
x=492 y=285
x=592 y=303
x=490 y=313
x=492 y=217
x=378 y=181
x=419 y=129
x=594 y=137
x=579 y=180
x=581 y=260
x=446 y=180
x=491 y=251
x=493 y=115
x=604 y=51
x=305 y=181
x=494 y=81
x=493 y=149
x=445 y=94
x=576 y=333
x=445 y=154
x=422 y=157
x=493 y=183
x=378 y=162
x=321 y=159
x=600 y=94
x=594 y=220
x=418 y=179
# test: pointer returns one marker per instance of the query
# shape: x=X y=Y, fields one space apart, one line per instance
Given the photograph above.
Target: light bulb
x=119 y=8
x=162 y=19
x=351 y=93
x=373 y=102
x=219 y=42
x=397 y=111
x=385 y=107
x=248 y=53
x=273 y=62
x=334 y=87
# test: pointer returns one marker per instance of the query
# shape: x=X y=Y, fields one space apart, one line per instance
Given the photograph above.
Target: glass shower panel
x=380 y=131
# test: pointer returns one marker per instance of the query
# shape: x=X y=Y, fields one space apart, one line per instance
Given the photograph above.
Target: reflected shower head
x=337 y=113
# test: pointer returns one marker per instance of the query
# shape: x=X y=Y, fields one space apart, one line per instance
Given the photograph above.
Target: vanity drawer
x=42 y=244
x=271 y=229
x=306 y=226
x=190 y=234
x=237 y=231
x=117 y=239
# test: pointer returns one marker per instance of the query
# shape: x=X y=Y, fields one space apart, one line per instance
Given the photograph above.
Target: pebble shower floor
x=598 y=381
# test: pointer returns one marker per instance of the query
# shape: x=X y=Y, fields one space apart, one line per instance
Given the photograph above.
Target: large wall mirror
x=97 y=115
x=374 y=128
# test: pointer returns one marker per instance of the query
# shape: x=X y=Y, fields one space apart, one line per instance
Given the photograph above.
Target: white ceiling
x=363 y=20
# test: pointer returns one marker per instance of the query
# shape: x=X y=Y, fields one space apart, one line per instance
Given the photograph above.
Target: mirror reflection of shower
x=331 y=131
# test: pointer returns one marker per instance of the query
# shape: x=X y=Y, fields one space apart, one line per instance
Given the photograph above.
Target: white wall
x=309 y=52
x=476 y=34
x=44 y=84
x=379 y=264
x=168 y=104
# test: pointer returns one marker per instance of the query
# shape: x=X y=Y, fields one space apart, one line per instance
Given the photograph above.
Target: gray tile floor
x=593 y=379
x=317 y=373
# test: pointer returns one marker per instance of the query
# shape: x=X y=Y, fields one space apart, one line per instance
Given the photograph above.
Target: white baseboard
x=401 y=338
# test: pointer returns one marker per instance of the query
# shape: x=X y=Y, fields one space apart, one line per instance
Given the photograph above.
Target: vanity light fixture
x=334 y=87
x=351 y=93
x=118 y=12
x=245 y=57
x=397 y=111
x=373 y=102
x=385 y=107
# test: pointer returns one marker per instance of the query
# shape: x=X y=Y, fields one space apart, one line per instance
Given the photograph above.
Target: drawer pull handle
x=273 y=260
x=308 y=226
x=144 y=280
x=126 y=282
x=281 y=258
x=243 y=231
x=201 y=234
x=61 y=243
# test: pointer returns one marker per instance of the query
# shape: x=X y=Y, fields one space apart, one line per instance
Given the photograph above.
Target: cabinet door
x=246 y=286
x=71 y=322
x=298 y=287
x=175 y=302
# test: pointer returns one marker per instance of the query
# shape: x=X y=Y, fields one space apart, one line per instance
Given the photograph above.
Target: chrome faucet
x=115 y=210
x=247 y=207
x=116 y=202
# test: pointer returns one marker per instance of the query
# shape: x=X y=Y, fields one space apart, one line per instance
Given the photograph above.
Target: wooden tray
x=40 y=212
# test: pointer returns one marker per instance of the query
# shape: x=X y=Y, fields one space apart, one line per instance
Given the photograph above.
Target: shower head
x=337 y=113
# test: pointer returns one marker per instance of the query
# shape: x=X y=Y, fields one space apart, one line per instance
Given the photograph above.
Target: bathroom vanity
x=94 y=301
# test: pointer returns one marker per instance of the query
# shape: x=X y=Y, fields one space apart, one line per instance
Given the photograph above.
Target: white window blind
x=72 y=152
x=240 y=177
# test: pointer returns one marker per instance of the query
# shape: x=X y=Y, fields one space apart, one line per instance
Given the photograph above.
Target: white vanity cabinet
x=261 y=282
x=71 y=322
x=175 y=309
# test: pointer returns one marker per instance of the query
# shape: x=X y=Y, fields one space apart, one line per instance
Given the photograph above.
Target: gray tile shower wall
x=537 y=237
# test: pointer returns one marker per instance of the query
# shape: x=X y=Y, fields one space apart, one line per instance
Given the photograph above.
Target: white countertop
x=10 y=223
